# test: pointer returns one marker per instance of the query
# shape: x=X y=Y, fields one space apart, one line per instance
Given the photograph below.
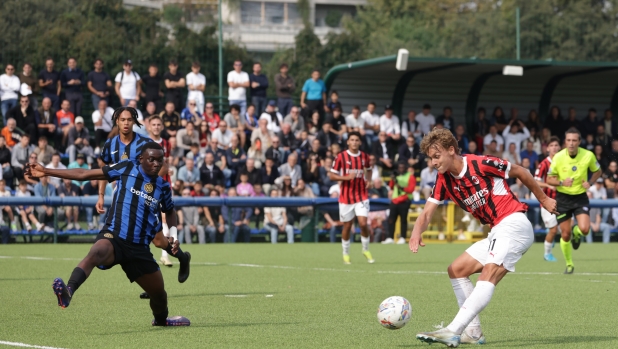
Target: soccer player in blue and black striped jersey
x=134 y=221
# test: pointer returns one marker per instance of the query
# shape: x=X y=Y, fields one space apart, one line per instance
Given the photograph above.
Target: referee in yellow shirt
x=569 y=174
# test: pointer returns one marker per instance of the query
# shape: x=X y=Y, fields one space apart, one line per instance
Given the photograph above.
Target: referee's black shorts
x=569 y=205
x=136 y=260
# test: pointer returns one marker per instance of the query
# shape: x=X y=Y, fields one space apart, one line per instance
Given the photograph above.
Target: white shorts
x=506 y=243
x=348 y=212
x=548 y=218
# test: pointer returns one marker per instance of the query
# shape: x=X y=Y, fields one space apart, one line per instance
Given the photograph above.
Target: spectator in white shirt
x=512 y=155
x=511 y=134
x=273 y=117
x=238 y=81
x=196 y=83
x=355 y=121
x=103 y=124
x=494 y=136
x=426 y=120
x=223 y=135
x=372 y=122
x=389 y=124
x=127 y=84
x=428 y=179
x=9 y=87
x=55 y=164
x=276 y=221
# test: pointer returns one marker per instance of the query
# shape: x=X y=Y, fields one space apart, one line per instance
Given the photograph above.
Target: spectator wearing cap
x=284 y=87
x=313 y=97
x=238 y=81
x=196 y=84
x=103 y=124
x=128 y=86
x=78 y=141
x=46 y=120
x=258 y=87
x=426 y=119
x=390 y=125
x=99 y=83
x=49 y=82
x=28 y=84
x=175 y=83
x=24 y=117
x=9 y=90
x=72 y=79
x=273 y=117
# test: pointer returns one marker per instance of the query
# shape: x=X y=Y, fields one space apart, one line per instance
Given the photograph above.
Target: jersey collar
x=463 y=170
x=354 y=155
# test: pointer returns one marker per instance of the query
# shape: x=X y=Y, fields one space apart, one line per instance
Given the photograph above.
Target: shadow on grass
x=21 y=279
x=528 y=342
x=232 y=294
x=198 y=325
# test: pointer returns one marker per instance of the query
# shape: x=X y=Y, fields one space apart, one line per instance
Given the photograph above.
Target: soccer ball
x=394 y=312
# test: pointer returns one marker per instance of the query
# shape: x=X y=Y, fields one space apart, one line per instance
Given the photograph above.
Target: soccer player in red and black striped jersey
x=353 y=171
x=551 y=223
x=478 y=185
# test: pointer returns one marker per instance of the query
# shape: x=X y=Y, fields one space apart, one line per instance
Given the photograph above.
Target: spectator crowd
x=260 y=147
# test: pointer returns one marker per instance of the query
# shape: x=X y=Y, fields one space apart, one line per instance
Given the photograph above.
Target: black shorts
x=569 y=205
x=136 y=260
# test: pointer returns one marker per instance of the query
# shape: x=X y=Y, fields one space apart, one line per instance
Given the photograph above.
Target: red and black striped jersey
x=355 y=190
x=480 y=189
x=166 y=153
x=541 y=175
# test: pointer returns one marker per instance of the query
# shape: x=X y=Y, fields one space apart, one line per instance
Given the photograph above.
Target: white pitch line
x=24 y=345
x=246 y=265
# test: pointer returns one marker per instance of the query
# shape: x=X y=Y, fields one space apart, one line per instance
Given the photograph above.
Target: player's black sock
x=180 y=255
x=161 y=319
x=78 y=276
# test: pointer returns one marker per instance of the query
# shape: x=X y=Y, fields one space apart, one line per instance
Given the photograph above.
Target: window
x=273 y=13
x=293 y=15
x=251 y=12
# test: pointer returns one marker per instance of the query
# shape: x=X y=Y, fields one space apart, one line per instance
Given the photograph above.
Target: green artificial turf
x=302 y=296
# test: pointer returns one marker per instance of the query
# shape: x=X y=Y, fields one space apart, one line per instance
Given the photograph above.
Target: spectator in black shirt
x=46 y=121
x=533 y=121
x=152 y=88
x=555 y=123
x=338 y=123
x=611 y=178
x=288 y=141
x=5 y=161
x=269 y=173
x=24 y=118
x=499 y=119
x=49 y=81
x=72 y=79
x=481 y=125
x=326 y=137
x=255 y=176
x=235 y=157
x=99 y=83
x=317 y=148
x=175 y=83
x=216 y=223
x=259 y=85
x=171 y=121
x=211 y=175
x=446 y=119
x=590 y=123
x=274 y=151
x=409 y=153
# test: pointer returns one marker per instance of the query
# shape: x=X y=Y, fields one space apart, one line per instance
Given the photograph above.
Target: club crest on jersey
x=124 y=156
x=148 y=188
x=108 y=235
x=574 y=168
x=475 y=180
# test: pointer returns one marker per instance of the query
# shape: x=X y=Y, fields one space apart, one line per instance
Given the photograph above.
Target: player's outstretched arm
x=77 y=174
x=420 y=226
x=526 y=178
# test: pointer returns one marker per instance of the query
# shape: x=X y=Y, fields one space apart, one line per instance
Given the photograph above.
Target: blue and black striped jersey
x=114 y=151
x=139 y=199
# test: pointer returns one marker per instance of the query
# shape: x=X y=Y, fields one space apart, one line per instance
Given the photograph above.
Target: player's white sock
x=476 y=302
x=463 y=289
x=346 y=246
x=166 y=233
x=548 y=247
x=365 y=242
